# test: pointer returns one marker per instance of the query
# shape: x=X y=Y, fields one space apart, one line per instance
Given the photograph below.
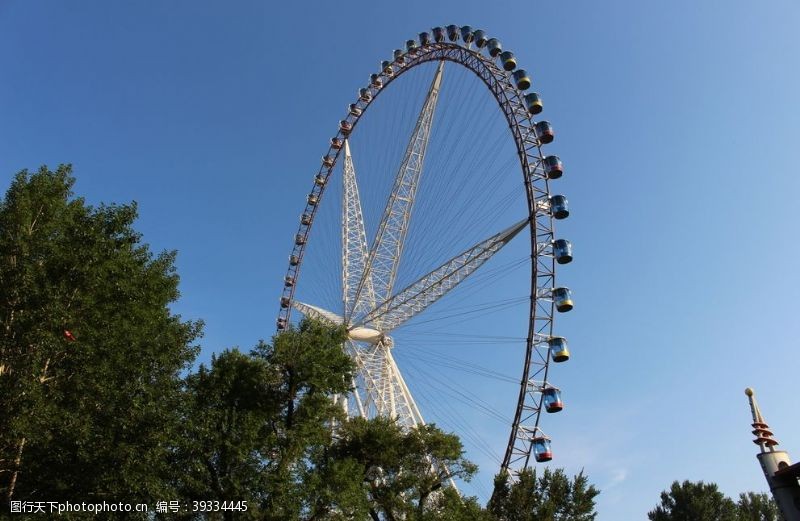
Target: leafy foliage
x=404 y=471
x=754 y=506
x=253 y=423
x=309 y=366
x=225 y=414
x=264 y=427
x=698 y=501
x=552 y=496
x=90 y=354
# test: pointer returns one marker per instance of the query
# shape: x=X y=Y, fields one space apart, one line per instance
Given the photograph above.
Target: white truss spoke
x=354 y=243
x=419 y=295
x=318 y=313
x=384 y=256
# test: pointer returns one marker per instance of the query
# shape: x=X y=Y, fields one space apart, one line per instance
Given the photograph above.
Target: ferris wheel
x=462 y=219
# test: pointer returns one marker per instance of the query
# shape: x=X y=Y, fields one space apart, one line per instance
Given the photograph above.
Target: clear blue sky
x=675 y=120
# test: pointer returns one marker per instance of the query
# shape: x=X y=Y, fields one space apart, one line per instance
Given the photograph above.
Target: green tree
x=694 y=501
x=754 y=506
x=255 y=425
x=90 y=353
x=220 y=451
x=263 y=427
x=309 y=367
x=698 y=501
x=551 y=496
x=405 y=471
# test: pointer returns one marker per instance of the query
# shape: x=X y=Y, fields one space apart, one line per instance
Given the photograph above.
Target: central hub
x=365 y=334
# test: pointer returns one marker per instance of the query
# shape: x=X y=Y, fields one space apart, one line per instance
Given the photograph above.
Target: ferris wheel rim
x=522 y=127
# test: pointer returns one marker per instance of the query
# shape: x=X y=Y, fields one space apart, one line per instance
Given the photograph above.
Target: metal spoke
x=384 y=256
x=419 y=295
x=318 y=313
x=354 y=242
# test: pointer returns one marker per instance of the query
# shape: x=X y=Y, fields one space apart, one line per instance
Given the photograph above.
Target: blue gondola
x=452 y=32
x=438 y=34
x=562 y=297
x=533 y=103
x=559 y=207
x=494 y=46
x=545 y=132
x=541 y=449
x=562 y=251
x=553 y=167
x=508 y=61
x=552 y=399
x=467 y=34
x=559 y=351
x=521 y=79
x=411 y=45
x=424 y=38
x=480 y=38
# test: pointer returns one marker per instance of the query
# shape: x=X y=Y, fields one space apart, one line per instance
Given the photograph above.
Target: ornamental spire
x=764 y=436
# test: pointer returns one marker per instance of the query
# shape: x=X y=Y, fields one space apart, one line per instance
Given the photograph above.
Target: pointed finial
x=761 y=430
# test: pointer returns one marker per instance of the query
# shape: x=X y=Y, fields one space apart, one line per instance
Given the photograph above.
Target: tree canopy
x=264 y=427
x=699 y=501
x=551 y=495
x=90 y=353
